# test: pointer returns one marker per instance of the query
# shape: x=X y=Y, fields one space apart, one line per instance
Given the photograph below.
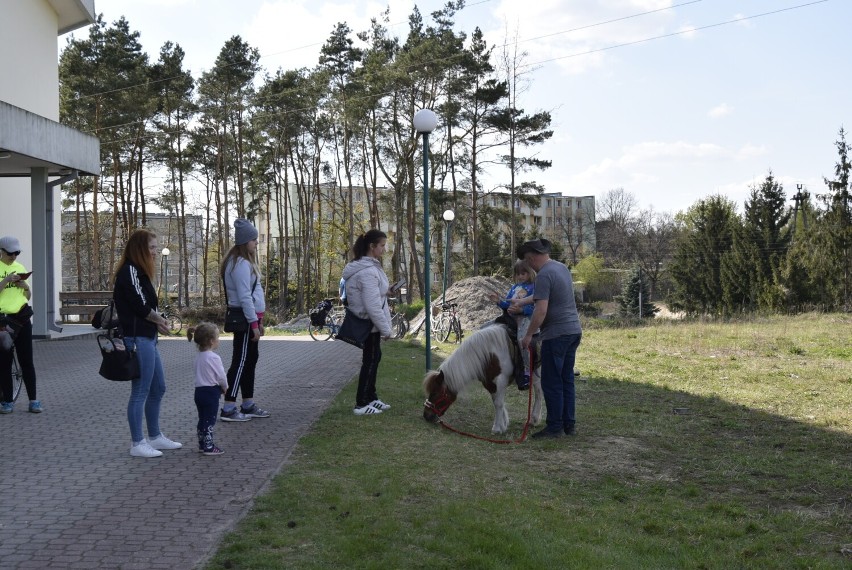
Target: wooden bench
x=82 y=304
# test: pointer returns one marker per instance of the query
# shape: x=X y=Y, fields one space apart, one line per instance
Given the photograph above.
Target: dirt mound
x=471 y=294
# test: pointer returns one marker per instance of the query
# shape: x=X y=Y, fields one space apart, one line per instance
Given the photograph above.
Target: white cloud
x=688 y=31
x=722 y=110
x=743 y=21
x=290 y=33
x=576 y=35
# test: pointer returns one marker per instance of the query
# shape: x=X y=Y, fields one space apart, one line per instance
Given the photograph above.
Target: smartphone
x=25 y=275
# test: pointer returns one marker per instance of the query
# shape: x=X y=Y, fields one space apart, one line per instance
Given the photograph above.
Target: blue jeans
x=146 y=392
x=557 y=380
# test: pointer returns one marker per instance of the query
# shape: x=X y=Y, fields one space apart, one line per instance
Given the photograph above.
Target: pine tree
x=751 y=271
x=635 y=299
x=696 y=267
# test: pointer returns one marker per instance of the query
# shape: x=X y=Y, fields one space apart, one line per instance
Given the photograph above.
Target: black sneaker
x=570 y=430
x=547 y=434
x=524 y=383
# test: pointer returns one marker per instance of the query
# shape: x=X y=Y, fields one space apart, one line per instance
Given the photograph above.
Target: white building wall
x=29 y=79
x=29 y=74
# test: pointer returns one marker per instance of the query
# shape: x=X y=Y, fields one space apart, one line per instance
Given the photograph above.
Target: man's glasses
x=11 y=252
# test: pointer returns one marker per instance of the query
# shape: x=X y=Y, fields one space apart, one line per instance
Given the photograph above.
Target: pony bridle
x=441 y=403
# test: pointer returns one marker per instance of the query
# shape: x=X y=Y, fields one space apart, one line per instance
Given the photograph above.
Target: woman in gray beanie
x=243 y=291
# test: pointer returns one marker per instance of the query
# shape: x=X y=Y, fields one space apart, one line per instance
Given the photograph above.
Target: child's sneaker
x=36 y=407
x=7 y=407
x=524 y=383
x=212 y=451
x=379 y=405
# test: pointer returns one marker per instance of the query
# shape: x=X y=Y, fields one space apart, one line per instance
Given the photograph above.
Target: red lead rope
x=502 y=441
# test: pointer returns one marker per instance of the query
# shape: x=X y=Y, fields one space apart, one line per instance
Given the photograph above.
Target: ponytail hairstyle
x=364 y=241
x=203 y=334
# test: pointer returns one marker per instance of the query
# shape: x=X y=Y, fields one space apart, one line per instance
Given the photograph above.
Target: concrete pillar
x=41 y=283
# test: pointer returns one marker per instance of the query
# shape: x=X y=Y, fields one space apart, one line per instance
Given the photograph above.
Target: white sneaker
x=379 y=405
x=162 y=442
x=366 y=410
x=144 y=450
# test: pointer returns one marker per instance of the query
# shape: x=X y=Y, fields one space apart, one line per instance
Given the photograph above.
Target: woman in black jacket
x=136 y=304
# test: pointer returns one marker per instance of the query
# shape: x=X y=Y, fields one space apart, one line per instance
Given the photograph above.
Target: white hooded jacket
x=367 y=292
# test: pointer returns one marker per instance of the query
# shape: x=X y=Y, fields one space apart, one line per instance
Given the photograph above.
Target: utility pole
x=799 y=199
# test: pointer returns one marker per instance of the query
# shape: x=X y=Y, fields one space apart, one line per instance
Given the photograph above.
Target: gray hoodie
x=367 y=292
x=244 y=289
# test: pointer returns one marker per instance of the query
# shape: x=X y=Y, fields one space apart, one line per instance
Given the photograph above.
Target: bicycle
x=173 y=320
x=399 y=324
x=17 y=375
x=447 y=323
x=331 y=322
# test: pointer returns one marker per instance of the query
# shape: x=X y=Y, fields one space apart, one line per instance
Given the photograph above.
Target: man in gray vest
x=556 y=315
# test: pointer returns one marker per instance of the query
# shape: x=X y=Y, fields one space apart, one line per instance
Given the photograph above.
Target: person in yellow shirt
x=15 y=310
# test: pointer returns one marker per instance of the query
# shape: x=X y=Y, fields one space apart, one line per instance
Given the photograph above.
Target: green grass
x=756 y=473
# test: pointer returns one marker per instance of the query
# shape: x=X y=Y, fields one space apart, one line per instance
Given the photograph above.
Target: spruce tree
x=635 y=299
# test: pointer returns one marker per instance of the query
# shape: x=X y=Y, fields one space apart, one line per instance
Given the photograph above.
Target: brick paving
x=73 y=497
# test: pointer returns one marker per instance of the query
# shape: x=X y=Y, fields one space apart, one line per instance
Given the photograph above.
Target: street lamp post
x=425 y=121
x=448 y=216
x=166 y=253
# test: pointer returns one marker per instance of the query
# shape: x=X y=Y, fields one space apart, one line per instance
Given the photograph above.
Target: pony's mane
x=467 y=364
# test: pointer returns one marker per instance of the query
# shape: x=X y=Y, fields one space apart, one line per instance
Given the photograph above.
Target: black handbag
x=118 y=363
x=354 y=330
x=235 y=320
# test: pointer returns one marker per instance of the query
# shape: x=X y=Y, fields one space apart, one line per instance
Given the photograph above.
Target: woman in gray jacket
x=367 y=292
x=244 y=291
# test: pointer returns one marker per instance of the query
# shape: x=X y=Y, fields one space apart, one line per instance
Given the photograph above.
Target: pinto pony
x=487 y=356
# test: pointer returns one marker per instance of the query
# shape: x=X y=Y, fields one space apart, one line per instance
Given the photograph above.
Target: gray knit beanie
x=244 y=231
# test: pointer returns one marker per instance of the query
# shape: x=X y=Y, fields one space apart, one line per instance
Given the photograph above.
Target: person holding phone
x=15 y=309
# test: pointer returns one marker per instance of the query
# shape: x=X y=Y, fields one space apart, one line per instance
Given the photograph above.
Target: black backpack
x=319 y=313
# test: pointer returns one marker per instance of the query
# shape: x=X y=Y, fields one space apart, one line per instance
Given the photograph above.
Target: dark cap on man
x=540 y=245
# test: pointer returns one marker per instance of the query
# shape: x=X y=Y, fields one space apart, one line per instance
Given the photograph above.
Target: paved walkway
x=72 y=497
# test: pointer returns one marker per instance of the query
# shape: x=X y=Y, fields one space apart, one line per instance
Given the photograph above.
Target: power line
x=598 y=24
x=689 y=31
x=664 y=36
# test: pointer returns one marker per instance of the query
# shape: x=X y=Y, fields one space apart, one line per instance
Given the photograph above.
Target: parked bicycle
x=326 y=319
x=446 y=324
x=175 y=323
x=17 y=375
x=399 y=324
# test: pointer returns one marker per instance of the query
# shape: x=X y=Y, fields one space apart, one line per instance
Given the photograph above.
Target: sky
x=671 y=100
